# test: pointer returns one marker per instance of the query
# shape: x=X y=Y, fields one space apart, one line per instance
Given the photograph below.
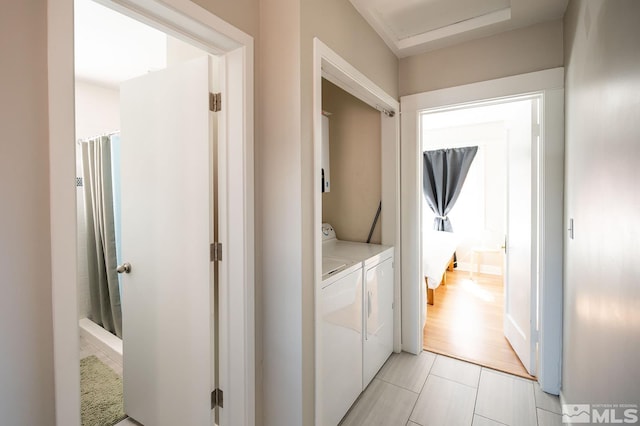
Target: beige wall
x=26 y=358
x=602 y=271
x=243 y=14
x=340 y=26
x=355 y=142
x=278 y=214
x=534 y=48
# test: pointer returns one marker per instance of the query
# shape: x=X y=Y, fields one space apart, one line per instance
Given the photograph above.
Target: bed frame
x=431 y=291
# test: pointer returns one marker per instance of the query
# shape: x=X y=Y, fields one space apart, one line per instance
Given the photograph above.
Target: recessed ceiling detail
x=420 y=17
x=413 y=26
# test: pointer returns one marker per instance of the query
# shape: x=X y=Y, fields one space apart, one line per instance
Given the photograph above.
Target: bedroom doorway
x=544 y=324
x=479 y=305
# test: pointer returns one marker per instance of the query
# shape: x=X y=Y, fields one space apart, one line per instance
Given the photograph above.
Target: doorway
x=475 y=305
x=206 y=31
x=546 y=318
x=140 y=95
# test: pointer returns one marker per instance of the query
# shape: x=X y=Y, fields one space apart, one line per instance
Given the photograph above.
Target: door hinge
x=215 y=102
x=536 y=129
x=216 y=399
x=215 y=252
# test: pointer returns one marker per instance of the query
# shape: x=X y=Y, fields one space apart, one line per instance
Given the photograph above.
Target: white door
x=167 y=228
x=520 y=269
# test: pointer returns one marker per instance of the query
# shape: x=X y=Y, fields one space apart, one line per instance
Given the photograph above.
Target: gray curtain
x=443 y=176
x=101 y=238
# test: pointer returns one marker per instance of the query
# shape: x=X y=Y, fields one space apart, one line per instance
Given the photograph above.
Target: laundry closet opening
x=355 y=295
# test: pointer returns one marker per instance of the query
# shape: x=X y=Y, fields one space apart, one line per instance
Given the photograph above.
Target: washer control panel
x=328 y=233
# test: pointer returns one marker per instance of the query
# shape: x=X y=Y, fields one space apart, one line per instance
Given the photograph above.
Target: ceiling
x=410 y=27
x=111 y=48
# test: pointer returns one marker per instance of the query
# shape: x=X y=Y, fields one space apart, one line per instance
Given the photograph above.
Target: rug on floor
x=101 y=393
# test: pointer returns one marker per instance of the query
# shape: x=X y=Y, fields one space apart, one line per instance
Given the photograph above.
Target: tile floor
x=431 y=390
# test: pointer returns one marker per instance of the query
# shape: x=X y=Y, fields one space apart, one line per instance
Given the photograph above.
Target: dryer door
x=378 y=318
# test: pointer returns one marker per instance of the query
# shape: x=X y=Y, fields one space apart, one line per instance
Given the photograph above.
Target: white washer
x=332 y=247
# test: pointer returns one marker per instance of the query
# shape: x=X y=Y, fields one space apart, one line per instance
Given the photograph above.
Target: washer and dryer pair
x=355 y=304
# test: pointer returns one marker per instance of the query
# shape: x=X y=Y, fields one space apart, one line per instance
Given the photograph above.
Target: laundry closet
x=355 y=299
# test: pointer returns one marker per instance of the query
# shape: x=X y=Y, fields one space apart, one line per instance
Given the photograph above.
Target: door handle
x=368 y=304
x=124 y=268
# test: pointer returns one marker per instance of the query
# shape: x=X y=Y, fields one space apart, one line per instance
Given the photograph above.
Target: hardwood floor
x=465 y=322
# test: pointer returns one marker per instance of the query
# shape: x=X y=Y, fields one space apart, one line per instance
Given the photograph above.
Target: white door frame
x=550 y=84
x=331 y=66
x=198 y=26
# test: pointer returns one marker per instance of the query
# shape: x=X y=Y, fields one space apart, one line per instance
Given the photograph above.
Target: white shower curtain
x=101 y=236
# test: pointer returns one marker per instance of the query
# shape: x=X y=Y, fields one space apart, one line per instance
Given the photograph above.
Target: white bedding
x=437 y=249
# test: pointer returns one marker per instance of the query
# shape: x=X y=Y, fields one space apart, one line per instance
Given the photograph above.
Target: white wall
x=97 y=109
x=602 y=271
x=26 y=357
x=179 y=51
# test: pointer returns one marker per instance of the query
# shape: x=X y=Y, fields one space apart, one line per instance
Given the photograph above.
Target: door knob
x=124 y=268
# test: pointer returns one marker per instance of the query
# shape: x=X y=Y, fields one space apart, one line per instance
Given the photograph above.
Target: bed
x=438 y=248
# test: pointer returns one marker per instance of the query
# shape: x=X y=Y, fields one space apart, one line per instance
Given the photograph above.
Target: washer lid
x=332 y=265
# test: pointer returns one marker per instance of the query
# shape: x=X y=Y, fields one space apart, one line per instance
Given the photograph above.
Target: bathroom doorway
x=147 y=192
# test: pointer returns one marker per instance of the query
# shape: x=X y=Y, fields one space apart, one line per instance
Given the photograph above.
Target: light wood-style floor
x=465 y=322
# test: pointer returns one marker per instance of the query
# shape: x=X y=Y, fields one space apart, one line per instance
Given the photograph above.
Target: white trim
x=410 y=45
x=328 y=64
x=550 y=84
x=192 y=23
x=108 y=343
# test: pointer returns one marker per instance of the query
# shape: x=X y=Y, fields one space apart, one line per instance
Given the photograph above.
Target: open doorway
x=146 y=193
x=480 y=277
x=200 y=27
x=544 y=318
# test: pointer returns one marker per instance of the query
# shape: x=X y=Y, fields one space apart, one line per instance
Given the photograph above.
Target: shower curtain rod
x=79 y=141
